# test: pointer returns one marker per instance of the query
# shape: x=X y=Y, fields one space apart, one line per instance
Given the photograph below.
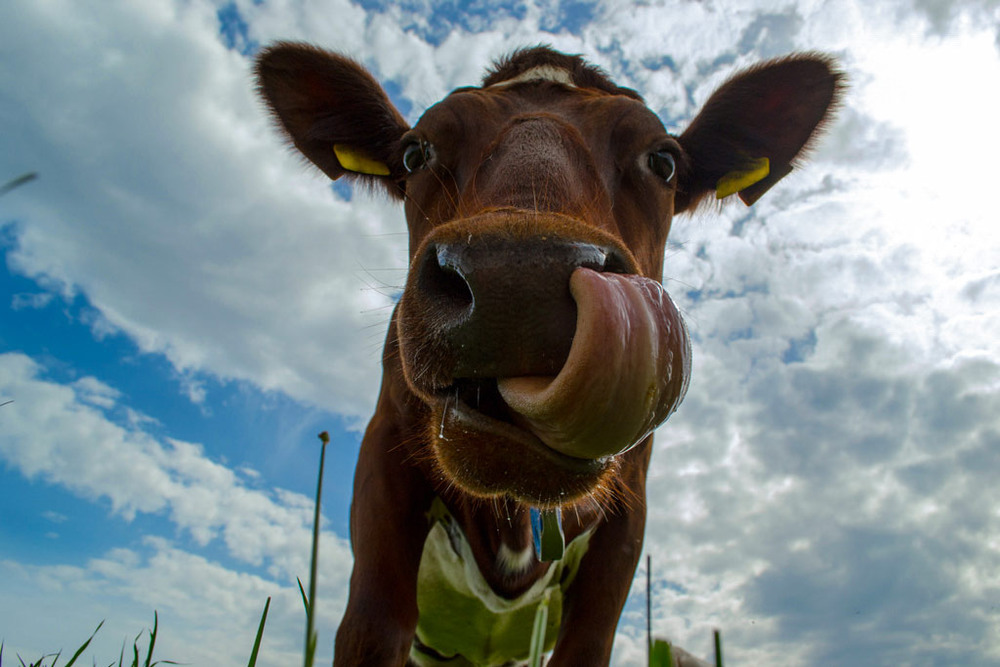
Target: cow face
x=533 y=327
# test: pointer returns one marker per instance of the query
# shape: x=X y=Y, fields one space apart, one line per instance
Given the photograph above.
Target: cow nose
x=503 y=307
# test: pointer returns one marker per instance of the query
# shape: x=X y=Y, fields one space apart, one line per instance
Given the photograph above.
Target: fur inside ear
x=333 y=110
x=772 y=111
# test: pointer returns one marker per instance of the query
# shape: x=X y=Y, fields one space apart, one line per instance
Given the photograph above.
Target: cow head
x=533 y=326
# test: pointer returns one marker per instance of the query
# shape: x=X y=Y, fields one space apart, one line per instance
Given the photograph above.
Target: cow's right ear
x=755 y=127
x=334 y=111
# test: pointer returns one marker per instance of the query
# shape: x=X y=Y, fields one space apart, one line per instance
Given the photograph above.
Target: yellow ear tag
x=351 y=160
x=734 y=181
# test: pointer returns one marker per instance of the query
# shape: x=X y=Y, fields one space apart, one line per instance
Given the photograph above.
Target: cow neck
x=499 y=533
x=500 y=537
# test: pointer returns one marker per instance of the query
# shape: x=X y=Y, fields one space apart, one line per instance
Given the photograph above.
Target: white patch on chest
x=541 y=73
x=514 y=562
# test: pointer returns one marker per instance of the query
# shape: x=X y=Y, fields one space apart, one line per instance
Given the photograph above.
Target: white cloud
x=34 y=301
x=208 y=614
x=826 y=509
x=93 y=391
x=50 y=432
x=54 y=517
x=168 y=200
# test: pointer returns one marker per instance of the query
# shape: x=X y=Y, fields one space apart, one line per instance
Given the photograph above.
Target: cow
x=533 y=350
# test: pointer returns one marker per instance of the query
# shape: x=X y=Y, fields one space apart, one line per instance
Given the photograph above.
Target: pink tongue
x=626 y=373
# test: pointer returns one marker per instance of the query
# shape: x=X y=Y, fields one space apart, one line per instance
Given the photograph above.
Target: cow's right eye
x=663 y=164
x=416 y=156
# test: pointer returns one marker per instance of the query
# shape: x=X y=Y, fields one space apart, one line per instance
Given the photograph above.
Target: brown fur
x=516 y=175
x=581 y=73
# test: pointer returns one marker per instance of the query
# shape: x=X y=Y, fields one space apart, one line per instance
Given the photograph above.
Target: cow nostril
x=493 y=306
x=597 y=258
x=615 y=263
x=441 y=281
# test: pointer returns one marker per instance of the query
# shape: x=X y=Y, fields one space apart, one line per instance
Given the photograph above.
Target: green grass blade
x=311 y=649
x=305 y=599
x=152 y=638
x=17 y=182
x=538 y=632
x=311 y=637
x=718 y=648
x=81 y=649
x=260 y=634
x=660 y=654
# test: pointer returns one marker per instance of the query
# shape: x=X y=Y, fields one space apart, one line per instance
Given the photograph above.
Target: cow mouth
x=479 y=406
x=482 y=446
x=478 y=403
x=551 y=439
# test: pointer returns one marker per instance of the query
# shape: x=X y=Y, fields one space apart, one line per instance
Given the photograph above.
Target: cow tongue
x=627 y=370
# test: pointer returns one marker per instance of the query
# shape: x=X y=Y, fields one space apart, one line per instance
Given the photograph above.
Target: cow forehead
x=527 y=93
x=540 y=73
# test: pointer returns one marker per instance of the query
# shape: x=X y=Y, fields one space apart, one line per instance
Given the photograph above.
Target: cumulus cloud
x=812 y=497
x=54 y=517
x=207 y=613
x=63 y=435
x=93 y=391
x=825 y=494
x=170 y=203
x=836 y=512
x=35 y=301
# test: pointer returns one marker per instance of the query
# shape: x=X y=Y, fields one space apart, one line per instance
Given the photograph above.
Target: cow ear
x=750 y=132
x=334 y=111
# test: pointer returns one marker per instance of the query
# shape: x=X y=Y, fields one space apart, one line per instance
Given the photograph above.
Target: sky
x=184 y=305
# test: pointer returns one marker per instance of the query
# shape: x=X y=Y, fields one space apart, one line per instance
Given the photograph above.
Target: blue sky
x=184 y=306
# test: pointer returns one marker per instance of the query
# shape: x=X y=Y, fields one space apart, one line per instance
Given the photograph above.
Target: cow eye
x=417 y=155
x=663 y=165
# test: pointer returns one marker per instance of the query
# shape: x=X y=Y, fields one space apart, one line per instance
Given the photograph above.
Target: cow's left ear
x=334 y=111
x=747 y=136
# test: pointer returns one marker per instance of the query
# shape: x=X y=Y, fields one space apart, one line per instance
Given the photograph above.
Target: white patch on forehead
x=541 y=73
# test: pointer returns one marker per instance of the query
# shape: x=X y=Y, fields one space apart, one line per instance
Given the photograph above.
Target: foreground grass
x=659 y=649
x=52 y=659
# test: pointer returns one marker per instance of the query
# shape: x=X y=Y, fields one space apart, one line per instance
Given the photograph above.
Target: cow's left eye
x=417 y=155
x=663 y=165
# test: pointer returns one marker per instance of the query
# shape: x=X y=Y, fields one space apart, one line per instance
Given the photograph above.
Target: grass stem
x=311 y=637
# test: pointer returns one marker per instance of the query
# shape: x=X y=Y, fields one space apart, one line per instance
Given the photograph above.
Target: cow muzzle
x=540 y=350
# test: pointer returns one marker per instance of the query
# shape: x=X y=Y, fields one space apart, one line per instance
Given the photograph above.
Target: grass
x=137 y=659
x=309 y=653
x=17 y=182
x=659 y=651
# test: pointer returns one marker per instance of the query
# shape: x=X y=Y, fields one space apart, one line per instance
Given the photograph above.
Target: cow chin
x=488 y=456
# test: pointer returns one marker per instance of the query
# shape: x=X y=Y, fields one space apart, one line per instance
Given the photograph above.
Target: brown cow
x=533 y=351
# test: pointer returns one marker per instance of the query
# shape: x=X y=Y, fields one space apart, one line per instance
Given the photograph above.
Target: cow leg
x=595 y=599
x=388 y=528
